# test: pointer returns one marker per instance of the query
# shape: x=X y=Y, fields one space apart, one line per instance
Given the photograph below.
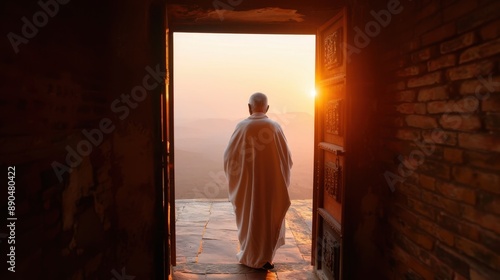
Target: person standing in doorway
x=257 y=164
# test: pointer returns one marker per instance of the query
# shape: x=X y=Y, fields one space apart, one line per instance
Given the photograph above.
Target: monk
x=257 y=163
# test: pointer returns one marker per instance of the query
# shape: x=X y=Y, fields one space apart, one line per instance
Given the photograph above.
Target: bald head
x=258 y=103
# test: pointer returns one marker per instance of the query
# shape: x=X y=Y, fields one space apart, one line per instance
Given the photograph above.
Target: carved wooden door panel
x=330 y=154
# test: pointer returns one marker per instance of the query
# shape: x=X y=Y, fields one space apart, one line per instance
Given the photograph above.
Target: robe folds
x=257 y=163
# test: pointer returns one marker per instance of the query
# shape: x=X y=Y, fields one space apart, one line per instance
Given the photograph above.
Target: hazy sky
x=214 y=74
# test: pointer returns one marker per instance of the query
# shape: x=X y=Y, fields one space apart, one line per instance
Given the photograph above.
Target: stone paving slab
x=288 y=253
x=220 y=251
x=217 y=234
x=207 y=243
x=188 y=246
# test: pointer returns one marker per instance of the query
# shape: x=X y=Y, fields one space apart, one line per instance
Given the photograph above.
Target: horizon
x=211 y=69
x=244 y=116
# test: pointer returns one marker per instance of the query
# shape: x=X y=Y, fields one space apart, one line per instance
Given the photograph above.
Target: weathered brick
x=490 y=239
x=443 y=271
x=480 y=179
x=408 y=71
x=408 y=134
x=419 y=121
x=478 y=252
x=489 y=202
x=480 y=86
x=458 y=226
x=453 y=259
x=455 y=192
x=423 y=55
x=480 y=273
x=478 y=17
x=426 y=80
x=448 y=222
x=427 y=182
x=453 y=155
x=461 y=122
x=412 y=178
x=458 y=9
x=412 y=108
x=438 y=107
x=411 y=268
x=405 y=96
x=458 y=43
x=436 y=169
x=433 y=93
x=485 y=142
x=405 y=217
x=470 y=70
x=426 y=225
x=467 y=104
x=441 y=62
x=441 y=234
x=482 y=51
x=424 y=240
x=440 y=137
x=441 y=33
x=430 y=149
x=410 y=190
x=422 y=208
x=492 y=121
x=491 y=104
x=491 y=30
x=486 y=160
x=440 y=202
x=445 y=236
x=418 y=237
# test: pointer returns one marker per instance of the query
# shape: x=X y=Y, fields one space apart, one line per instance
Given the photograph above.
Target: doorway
x=214 y=74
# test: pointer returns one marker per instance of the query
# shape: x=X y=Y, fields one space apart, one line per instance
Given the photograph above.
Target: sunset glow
x=312 y=93
x=216 y=73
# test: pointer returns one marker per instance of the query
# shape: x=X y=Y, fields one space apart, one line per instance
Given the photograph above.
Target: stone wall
x=77 y=124
x=440 y=142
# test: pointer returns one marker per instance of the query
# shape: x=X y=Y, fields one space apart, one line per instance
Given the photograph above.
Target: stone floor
x=207 y=243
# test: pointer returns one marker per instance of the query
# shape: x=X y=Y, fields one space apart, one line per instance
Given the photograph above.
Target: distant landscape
x=200 y=145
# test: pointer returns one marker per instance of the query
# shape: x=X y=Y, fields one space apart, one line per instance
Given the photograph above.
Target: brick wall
x=440 y=122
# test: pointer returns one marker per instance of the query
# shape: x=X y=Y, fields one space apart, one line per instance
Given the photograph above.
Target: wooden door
x=331 y=111
x=169 y=194
x=167 y=160
x=161 y=53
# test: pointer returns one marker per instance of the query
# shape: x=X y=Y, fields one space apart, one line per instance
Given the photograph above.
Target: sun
x=312 y=93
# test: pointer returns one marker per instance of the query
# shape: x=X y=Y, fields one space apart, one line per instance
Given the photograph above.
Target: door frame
x=169 y=187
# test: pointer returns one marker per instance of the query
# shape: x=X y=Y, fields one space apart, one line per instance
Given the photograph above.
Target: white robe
x=257 y=163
